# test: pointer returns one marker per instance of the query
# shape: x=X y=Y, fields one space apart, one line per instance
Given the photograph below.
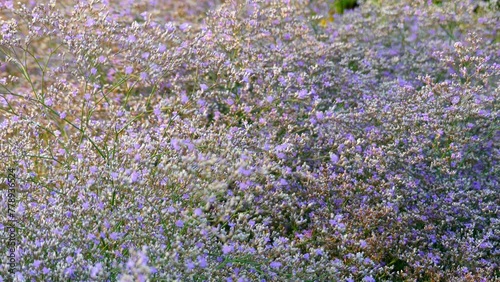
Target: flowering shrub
x=251 y=140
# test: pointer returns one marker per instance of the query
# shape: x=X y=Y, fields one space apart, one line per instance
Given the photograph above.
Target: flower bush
x=251 y=140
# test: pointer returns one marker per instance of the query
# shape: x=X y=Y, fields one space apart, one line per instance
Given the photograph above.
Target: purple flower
x=198 y=212
x=202 y=262
x=226 y=249
x=362 y=244
x=134 y=176
x=302 y=94
x=203 y=87
x=334 y=158
x=368 y=279
x=179 y=223
x=245 y=172
x=95 y=270
x=162 y=48
x=184 y=98
x=189 y=264
x=275 y=264
x=129 y=70
x=69 y=259
x=114 y=236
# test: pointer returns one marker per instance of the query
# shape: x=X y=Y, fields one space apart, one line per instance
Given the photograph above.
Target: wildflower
x=275 y=264
x=179 y=223
x=226 y=249
x=129 y=70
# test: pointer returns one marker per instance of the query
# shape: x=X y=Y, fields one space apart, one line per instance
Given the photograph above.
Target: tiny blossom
x=226 y=249
x=232 y=154
x=198 y=212
x=129 y=70
x=302 y=94
x=334 y=158
x=179 y=223
x=275 y=264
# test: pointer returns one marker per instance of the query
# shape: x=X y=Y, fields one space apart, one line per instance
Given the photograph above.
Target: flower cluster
x=252 y=140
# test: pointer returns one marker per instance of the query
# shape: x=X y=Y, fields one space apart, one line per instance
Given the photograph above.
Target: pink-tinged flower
x=9 y=4
x=101 y=59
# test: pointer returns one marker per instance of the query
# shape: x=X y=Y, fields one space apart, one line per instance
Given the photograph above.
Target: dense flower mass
x=250 y=140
